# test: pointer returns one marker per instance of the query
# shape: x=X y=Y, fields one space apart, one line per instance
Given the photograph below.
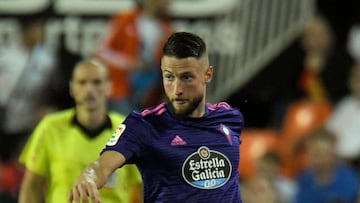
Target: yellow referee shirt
x=60 y=150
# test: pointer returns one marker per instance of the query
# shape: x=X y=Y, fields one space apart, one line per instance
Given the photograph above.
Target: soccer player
x=65 y=142
x=187 y=150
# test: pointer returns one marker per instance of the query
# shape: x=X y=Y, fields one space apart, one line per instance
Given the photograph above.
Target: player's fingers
x=71 y=196
x=74 y=195
x=93 y=193
x=82 y=189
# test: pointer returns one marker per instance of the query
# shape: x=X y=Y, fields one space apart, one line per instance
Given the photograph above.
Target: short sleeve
x=129 y=138
x=34 y=155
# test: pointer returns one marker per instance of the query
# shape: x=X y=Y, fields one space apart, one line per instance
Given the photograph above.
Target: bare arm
x=31 y=188
x=95 y=176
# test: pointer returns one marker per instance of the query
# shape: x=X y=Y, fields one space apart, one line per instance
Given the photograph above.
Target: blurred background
x=286 y=64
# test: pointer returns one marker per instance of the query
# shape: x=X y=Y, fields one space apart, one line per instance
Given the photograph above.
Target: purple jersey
x=184 y=159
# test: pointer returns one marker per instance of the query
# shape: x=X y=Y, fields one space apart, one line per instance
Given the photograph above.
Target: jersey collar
x=92 y=132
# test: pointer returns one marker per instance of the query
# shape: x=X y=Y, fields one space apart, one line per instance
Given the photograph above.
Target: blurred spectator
x=323 y=63
x=258 y=190
x=317 y=41
x=288 y=78
x=268 y=167
x=131 y=49
x=325 y=180
x=25 y=71
x=53 y=155
x=344 y=122
x=268 y=184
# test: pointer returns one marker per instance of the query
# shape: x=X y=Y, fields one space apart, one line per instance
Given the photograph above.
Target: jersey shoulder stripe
x=219 y=105
x=157 y=110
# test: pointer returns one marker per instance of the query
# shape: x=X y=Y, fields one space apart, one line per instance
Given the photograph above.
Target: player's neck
x=199 y=111
x=91 y=119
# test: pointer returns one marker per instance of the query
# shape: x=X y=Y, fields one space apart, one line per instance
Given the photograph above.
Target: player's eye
x=169 y=77
x=187 y=78
x=97 y=82
x=80 y=82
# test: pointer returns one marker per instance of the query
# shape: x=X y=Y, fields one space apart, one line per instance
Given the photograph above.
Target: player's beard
x=193 y=104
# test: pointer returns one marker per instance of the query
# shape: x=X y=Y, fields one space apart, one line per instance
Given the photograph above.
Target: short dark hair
x=183 y=45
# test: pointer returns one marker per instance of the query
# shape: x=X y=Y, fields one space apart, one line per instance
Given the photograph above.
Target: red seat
x=255 y=142
x=303 y=116
x=11 y=174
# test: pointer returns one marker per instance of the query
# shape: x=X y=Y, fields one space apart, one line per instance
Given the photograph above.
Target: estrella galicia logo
x=206 y=169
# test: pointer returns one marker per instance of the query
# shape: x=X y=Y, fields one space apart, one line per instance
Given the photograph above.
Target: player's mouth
x=179 y=101
x=89 y=99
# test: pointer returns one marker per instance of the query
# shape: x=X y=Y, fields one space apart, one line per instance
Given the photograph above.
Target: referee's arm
x=31 y=190
x=95 y=176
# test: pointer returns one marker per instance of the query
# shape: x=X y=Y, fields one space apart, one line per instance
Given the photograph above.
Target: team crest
x=206 y=169
x=116 y=135
x=226 y=131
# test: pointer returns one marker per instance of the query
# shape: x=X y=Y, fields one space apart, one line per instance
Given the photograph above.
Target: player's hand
x=85 y=189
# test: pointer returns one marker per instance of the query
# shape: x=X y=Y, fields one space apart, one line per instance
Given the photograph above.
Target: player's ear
x=209 y=74
x=71 y=89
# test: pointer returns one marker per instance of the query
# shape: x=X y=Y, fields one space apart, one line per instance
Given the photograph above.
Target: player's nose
x=178 y=87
